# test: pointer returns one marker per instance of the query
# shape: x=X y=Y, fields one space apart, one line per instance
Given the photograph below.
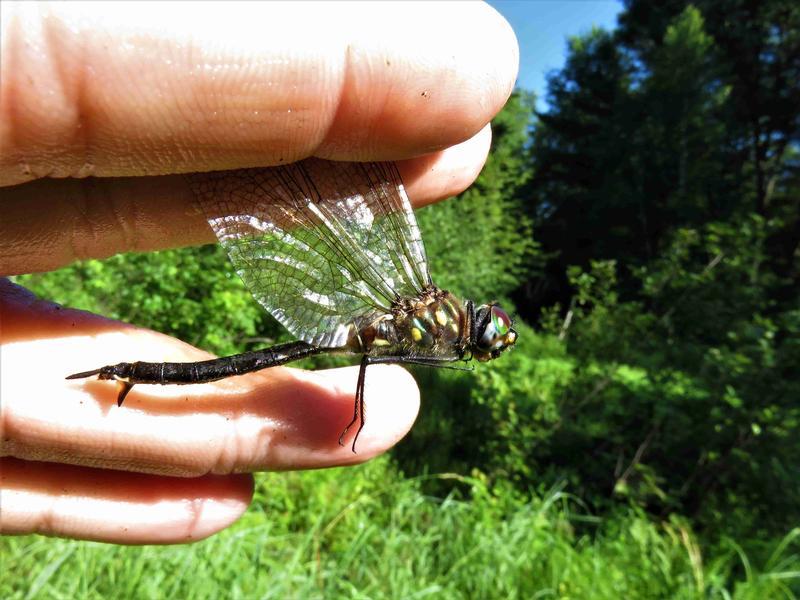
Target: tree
x=665 y=195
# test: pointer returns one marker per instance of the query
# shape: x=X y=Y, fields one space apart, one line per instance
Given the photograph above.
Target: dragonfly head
x=493 y=332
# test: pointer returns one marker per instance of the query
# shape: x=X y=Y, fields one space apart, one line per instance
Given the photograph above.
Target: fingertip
x=394 y=401
x=227 y=500
x=444 y=174
x=506 y=47
x=401 y=100
x=391 y=399
x=113 y=506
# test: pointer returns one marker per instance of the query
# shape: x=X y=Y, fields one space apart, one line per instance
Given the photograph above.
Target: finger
x=118 y=507
x=444 y=174
x=278 y=418
x=50 y=223
x=108 y=90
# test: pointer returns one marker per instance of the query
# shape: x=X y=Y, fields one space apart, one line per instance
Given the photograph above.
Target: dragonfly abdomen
x=204 y=371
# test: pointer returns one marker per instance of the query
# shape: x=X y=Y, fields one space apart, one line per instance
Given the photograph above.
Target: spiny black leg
x=360 y=400
x=357 y=403
x=124 y=388
x=350 y=424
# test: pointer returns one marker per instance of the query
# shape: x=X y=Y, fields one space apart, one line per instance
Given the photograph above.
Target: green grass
x=366 y=532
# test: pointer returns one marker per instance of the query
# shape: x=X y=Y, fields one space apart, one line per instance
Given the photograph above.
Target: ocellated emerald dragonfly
x=334 y=252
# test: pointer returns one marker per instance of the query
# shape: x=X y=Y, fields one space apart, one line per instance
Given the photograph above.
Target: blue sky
x=542 y=28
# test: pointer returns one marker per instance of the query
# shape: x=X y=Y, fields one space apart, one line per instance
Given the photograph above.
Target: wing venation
x=319 y=244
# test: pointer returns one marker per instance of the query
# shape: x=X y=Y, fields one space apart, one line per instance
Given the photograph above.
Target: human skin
x=134 y=96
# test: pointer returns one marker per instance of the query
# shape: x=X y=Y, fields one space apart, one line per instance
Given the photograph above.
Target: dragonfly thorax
x=433 y=324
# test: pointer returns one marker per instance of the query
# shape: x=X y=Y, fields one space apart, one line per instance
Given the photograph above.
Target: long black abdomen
x=207 y=370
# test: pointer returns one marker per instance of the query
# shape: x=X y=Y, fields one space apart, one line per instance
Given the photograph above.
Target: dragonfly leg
x=358 y=404
x=359 y=415
x=124 y=388
x=360 y=400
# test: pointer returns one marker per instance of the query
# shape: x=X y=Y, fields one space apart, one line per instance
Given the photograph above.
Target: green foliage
x=684 y=398
x=665 y=196
x=190 y=294
x=494 y=420
x=367 y=532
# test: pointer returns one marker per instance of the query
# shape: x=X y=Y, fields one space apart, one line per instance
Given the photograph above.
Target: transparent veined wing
x=319 y=244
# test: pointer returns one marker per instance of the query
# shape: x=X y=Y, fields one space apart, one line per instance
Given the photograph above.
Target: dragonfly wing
x=319 y=244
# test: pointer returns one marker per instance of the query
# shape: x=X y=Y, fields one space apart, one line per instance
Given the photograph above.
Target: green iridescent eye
x=500 y=321
x=495 y=335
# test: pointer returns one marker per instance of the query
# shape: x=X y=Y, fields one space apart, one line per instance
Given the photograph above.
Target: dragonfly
x=333 y=251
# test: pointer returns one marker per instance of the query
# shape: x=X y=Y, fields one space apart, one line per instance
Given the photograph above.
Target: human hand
x=100 y=90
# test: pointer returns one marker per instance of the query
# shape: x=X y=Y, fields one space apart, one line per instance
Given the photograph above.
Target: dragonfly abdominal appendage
x=333 y=251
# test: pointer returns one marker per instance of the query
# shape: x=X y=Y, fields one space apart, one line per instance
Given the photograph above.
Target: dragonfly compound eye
x=497 y=334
